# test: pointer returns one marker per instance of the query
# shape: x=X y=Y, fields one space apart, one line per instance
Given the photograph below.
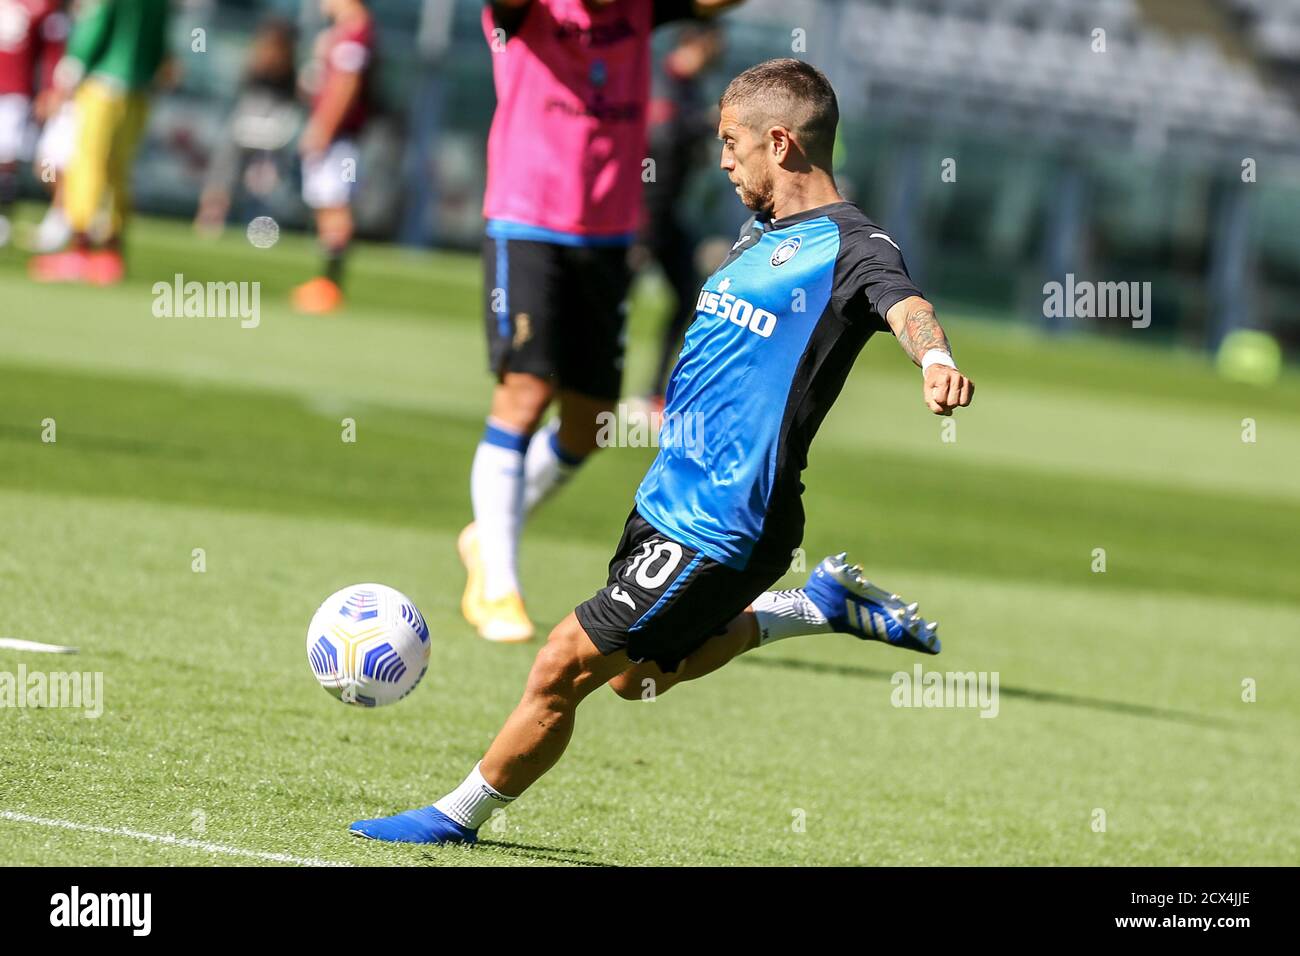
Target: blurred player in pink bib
x=566 y=156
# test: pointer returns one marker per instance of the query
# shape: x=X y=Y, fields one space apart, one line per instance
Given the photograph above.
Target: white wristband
x=936 y=357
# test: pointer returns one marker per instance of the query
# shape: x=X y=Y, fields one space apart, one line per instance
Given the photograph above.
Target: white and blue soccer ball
x=368 y=645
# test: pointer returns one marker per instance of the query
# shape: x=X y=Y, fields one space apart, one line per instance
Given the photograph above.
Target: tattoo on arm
x=919 y=332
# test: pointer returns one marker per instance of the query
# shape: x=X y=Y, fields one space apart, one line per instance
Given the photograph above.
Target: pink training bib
x=569 y=133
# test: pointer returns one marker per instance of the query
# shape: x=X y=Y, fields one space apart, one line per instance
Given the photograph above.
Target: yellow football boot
x=504 y=620
x=471 y=602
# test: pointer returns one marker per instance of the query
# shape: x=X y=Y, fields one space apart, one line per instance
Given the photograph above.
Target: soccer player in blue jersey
x=776 y=330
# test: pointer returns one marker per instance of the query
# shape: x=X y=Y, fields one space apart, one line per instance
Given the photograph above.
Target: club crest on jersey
x=786 y=250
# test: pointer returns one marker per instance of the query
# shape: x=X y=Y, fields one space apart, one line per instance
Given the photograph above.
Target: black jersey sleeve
x=870 y=277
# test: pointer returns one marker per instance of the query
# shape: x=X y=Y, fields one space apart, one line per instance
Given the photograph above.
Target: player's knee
x=558 y=673
x=625 y=687
x=554 y=674
x=336 y=236
x=521 y=401
x=334 y=226
x=632 y=685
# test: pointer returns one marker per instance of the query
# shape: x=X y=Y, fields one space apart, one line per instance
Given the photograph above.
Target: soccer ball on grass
x=368 y=645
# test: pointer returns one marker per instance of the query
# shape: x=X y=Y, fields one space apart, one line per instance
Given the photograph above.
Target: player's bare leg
x=536 y=734
x=646 y=680
x=567 y=669
x=520 y=400
x=580 y=419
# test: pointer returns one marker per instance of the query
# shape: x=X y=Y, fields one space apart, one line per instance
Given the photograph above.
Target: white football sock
x=783 y=614
x=547 y=466
x=54 y=231
x=496 y=484
x=471 y=804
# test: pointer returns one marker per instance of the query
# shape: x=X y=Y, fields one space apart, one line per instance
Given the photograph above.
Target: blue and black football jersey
x=776 y=330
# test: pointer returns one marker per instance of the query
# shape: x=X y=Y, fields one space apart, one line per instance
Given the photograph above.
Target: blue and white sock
x=783 y=614
x=547 y=466
x=496 y=483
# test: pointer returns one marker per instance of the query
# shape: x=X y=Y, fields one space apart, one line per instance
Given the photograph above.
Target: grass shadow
x=550 y=854
x=1020 y=693
x=104 y=443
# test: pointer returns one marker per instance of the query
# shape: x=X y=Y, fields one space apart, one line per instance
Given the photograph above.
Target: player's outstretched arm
x=922 y=338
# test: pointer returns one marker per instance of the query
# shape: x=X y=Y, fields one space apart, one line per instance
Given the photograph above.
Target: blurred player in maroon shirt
x=32 y=37
x=338 y=81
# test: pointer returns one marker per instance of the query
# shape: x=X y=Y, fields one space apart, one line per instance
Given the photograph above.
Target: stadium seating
x=1273 y=26
x=1031 y=65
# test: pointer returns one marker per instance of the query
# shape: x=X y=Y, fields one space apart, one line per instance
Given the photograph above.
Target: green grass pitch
x=1121 y=692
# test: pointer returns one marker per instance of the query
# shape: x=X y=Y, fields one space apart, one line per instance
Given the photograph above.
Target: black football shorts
x=557 y=312
x=663 y=599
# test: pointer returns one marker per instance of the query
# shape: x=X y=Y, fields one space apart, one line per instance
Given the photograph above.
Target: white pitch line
x=18 y=644
x=167 y=840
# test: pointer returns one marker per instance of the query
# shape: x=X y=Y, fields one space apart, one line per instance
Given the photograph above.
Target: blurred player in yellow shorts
x=114 y=53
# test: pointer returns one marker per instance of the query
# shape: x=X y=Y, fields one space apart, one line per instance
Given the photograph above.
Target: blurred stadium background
x=1120 y=163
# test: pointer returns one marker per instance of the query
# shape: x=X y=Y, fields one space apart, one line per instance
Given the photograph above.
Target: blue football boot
x=853 y=605
x=426 y=825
